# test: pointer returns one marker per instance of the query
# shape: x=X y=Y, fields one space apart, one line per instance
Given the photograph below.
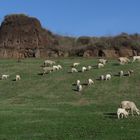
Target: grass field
x=48 y=108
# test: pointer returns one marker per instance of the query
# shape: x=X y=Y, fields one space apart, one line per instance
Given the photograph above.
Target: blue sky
x=79 y=17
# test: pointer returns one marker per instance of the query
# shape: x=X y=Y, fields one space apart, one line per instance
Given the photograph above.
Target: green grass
x=47 y=107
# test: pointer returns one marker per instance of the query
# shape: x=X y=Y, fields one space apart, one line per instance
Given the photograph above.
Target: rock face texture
x=22 y=36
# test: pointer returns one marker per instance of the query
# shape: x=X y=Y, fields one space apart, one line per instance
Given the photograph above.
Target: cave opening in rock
x=101 y=53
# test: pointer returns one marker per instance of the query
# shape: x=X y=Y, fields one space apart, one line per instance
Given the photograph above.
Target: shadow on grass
x=110 y=115
x=41 y=73
x=116 y=64
x=14 y=80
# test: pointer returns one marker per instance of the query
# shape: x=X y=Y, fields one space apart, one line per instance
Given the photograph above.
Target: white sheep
x=100 y=65
x=121 y=113
x=18 y=77
x=136 y=58
x=123 y=60
x=79 y=88
x=102 y=77
x=84 y=69
x=59 y=66
x=78 y=82
x=90 y=82
x=89 y=67
x=74 y=70
x=55 y=68
x=130 y=106
x=107 y=76
x=121 y=73
x=4 y=76
x=47 y=69
x=49 y=62
x=75 y=64
x=103 y=61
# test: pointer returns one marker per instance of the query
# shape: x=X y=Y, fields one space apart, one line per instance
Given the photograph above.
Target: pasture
x=47 y=107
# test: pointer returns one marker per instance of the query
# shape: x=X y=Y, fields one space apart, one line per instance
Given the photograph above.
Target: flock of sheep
x=126 y=106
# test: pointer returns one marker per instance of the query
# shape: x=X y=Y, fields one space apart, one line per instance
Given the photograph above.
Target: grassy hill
x=48 y=107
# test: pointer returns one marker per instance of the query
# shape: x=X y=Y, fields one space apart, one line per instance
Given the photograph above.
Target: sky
x=79 y=17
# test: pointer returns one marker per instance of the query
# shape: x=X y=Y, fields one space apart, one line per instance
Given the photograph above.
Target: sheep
x=18 y=77
x=90 y=82
x=121 y=73
x=79 y=88
x=74 y=70
x=55 y=68
x=100 y=65
x=130 y=106
x=47 y=69
x=121 y=112
x=89 y=67
x=102 y=77
x=4 y=76
x=84 y=69
x=107 y=76
x=78 y=82
x=123 y=60
x=136 y=58
x=48 y=62
x=59 y=66
x=103 y=61
x=75 y=64
x=130 y=72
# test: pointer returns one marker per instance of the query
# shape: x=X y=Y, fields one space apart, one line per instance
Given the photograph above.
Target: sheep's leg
x=132 y=112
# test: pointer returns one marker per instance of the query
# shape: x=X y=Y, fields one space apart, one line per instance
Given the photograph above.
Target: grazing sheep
x=130 y=72
x=90 y=82
x=59 y=66
x=100 y=65
x=121 y=73
x=49 y=62
x=89 y=67
x=75 y=64
x=136 y=58
x=18 y=77
x=78 y=82
x=108 y=77
x=121 y=113
x=102 y=77
x=4 y=76
x=79 y=88
x=47 y=70
x=123 y=60
x=103 y=61
x=84 y=69
x=130 y=106
x=74 y=70
x=55 y=68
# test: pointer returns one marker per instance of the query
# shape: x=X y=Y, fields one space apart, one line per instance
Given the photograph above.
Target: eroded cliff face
x=23 y=36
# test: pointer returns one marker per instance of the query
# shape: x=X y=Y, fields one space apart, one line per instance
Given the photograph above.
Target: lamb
x=74 y=70
x=103 y=61
x=130 y=106
x=121 y=73
x=89 y=67
x=84 y=69
x=90 y=82
x=121 y=113
x=59 y=67
x=108 y=77
x=136 y=58
x=4 y=76
x=79 y=88
x=49 y=62
x=102 y=77
x=55 y=68
x=75 y=64
x=47 y=69
x=78 y=82
x=123 y=60
x=18 y=77
x=100 y=65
